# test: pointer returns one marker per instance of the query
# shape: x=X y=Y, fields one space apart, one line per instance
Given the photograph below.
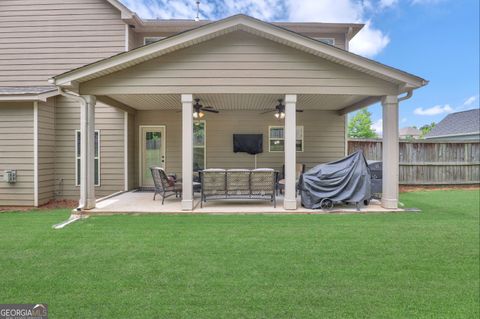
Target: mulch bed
x=53 y=204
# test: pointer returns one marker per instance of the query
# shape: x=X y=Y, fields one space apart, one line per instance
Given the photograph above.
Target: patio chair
x=299 y=169
x=164 y=186
x=262 y=184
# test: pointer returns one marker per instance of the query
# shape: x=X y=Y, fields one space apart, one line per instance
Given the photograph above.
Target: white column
x=390 y=152
x=87 y=152
x=290 y=200
x=187 y=152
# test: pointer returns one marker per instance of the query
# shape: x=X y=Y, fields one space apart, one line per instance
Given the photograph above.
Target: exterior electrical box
x=10 y=176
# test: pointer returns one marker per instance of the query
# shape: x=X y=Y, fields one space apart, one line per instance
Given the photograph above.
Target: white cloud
x=368 y=42
x=434 y=110
x=377 y=126
x=387 y=3
x=426 y=1
x=470 y=101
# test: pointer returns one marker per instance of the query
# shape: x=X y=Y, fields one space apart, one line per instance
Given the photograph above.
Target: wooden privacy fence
x=424 y=162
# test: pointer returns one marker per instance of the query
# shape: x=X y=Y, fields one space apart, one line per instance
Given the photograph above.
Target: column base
x=187 y=204
x=389 y=203
x=89 y=204
x=290 y=204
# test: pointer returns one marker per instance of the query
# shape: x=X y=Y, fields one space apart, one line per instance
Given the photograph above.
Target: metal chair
x=163 y=186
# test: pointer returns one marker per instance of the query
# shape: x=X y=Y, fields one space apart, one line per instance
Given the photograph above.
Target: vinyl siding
x=46 y=151
x=43 y=38
x=110 y=122
x=324 y=138
x=239 y=63
x=16 y=152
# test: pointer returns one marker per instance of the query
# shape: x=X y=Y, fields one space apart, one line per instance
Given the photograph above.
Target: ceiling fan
x=198 y=109
x=279 y=110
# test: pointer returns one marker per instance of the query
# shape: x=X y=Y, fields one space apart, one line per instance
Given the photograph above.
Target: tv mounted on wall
x=248 y=143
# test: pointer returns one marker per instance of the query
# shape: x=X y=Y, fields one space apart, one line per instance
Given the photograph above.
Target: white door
x=152 y=152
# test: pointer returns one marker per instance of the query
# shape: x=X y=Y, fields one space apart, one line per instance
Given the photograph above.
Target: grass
x=407 y=265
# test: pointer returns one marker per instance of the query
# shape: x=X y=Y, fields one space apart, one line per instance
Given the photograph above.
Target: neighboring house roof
x=460 y=123
x=124 y=60
x=27 y=93
x=410 y=131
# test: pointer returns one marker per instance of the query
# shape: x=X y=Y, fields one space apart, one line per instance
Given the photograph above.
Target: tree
x=360 y=126
x=426 y=128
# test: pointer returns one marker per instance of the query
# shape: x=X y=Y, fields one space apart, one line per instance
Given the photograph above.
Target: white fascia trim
x=248 y=24
x=28 y=97
x=35 y=154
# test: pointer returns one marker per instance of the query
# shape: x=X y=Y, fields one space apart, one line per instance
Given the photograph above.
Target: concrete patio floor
x=135 y=202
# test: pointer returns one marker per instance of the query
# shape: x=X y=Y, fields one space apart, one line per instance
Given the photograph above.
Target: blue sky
x=435 y=39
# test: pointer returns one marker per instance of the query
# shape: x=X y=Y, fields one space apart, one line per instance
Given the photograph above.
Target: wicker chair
x=163 y=186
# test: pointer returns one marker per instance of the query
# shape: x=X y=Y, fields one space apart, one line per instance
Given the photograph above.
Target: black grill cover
x=346 y=180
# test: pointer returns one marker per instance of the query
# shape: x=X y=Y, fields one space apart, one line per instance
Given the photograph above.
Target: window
x=148 y=40
x=199 y=145
x=97 y=158
x=276 y=139
x=330 y=41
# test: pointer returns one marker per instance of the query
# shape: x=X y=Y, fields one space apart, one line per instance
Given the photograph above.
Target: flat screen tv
x=248 y=143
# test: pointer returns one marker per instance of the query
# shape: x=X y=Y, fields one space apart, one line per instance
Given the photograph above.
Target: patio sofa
x=221 y=184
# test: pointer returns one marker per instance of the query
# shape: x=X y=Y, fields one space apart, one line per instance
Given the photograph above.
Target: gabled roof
x=460 y=123
x=27 y=93
x=412 y=131
x=121 y=61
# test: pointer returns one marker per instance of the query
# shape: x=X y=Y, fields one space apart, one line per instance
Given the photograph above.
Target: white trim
x=346 y=133
x=156 y=39
x=140 y=150
x=283 y=139
x=29 y=97
x=125 y=150
x=77 y=184
x=35 y=154
x=127 y=37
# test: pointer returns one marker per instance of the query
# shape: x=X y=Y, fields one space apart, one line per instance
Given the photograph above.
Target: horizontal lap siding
x=235 y=63
x=16 y=152
x=110 y=122
x=324 y=139
x=40 y=39
x=46 y=151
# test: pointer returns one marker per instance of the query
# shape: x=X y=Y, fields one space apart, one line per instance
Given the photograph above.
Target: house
x=91 y=96
x=410 y=133
x=463 y=125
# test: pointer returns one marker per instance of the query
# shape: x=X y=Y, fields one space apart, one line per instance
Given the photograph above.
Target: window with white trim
x=78 y=158
x=199 y=145
x=330 y=41
x=149 y=40
x=276 y=139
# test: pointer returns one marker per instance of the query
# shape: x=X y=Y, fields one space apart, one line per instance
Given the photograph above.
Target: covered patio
x=241 y=66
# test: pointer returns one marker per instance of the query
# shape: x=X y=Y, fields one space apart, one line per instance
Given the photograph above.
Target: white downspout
x=82 y=100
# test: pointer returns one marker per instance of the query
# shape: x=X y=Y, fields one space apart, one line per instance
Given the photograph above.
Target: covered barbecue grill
x=344 y=181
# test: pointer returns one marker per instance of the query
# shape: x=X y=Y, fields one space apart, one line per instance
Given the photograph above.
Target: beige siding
x=16 y=152
x=239 y=63
x=43 y=38
x=46 y=151
x=110 y=122
x=324 y=139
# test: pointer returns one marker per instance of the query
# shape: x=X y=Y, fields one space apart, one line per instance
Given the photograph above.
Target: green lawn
x=406 y=265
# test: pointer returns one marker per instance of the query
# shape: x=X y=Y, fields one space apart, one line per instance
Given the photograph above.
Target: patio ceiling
x=236 y=102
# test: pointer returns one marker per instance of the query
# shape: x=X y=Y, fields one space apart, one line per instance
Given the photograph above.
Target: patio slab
x=135 y=202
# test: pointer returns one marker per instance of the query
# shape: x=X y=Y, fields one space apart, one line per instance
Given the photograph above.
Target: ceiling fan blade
x=210 y=110
x=299 y=111
x=269 y=111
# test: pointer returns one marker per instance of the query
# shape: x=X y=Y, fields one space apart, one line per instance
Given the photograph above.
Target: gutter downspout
x=83 y=101
x=406 y=96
